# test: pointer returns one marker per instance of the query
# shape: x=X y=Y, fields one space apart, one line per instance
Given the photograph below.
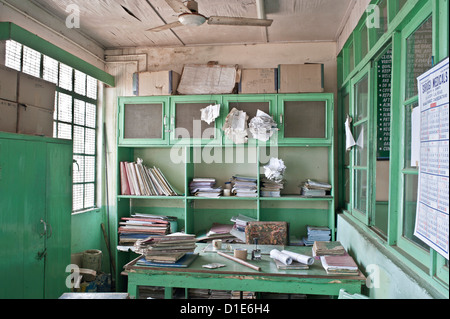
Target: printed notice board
x=433 y=191
x=384 y=71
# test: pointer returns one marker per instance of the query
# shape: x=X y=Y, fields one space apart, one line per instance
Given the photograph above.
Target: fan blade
x=166 y=27
x=178 y=6
x=240 y=21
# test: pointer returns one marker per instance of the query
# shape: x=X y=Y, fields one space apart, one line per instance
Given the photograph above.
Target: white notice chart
x=433 y=191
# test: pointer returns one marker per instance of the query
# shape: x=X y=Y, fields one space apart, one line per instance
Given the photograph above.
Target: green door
x=59 y=209
x=22 y=216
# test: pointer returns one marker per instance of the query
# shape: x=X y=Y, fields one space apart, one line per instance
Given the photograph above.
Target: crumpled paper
x=274 y=170
x=262 y=126
x=210 y=113
x=235 y=127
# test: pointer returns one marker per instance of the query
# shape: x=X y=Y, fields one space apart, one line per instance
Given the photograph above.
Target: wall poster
x=433 y=191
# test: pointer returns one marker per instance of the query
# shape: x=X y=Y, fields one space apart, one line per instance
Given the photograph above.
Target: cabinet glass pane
x=251 y=108
x=188 y=123
x=143 y=121
x=304 y=119
x=361 y=98
x=360 y=190
x=409 y=209
x=361 y=147
x=419 y=52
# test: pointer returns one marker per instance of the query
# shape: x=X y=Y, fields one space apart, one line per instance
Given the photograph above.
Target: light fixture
x=192 y=19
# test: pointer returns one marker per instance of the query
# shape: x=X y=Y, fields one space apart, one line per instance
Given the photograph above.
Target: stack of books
x=243 y=186
x=141 y=226
x=172 y=249
x=339 y=265
x=240 y=222
x=204 y=187
x=328 y=248
x=316 y=233
x=313 y=188
x=271 y=188
x=139 y=180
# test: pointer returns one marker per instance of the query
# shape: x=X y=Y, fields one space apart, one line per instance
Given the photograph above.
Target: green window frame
x=75 y=115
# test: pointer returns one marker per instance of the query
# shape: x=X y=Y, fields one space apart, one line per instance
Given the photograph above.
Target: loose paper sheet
x=415 y=137
x=210 y=113
x=235 y=127
x=275 y=169
x=262 y=126
x=349 y=140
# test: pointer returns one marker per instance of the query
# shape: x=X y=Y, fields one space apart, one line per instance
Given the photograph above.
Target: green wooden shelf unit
x=150 y=128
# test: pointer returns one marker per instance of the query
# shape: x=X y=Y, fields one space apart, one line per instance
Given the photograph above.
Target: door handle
x=42 y=254
x=45 y=228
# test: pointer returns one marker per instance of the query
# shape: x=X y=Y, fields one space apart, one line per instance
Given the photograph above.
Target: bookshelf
x=306 y=153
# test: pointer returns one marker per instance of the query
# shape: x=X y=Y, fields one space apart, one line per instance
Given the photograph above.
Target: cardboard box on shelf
x=300 y=78
x=36 y=92
x=8 y=84
x=155 y=83
x=8 y=116
x=208 y=79
x=259 y=81
x=34 y=120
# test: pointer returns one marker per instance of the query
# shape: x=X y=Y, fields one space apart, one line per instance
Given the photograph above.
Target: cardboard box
x=8 y=116
x=34 y=120
x=36 y=92
x=208 y=79
x=256 y=81
x=155 y=83
x=8 y=84
x=300 y=78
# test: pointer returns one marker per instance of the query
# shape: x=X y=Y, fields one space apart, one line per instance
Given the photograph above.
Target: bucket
x=92 y=259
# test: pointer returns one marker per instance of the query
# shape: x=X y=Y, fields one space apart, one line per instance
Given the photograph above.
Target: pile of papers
x=141 y=226
x=217 y=231
x=140 y=180
x=271 y=188
x=210 y=113
x=166 y=249
x=313 y=188
x=316 y=233
x=328 y=248
x=235 y=127
x=240 y=222
x=262 y=126
x=243 y=186
x=204 y=187
x=274 y=170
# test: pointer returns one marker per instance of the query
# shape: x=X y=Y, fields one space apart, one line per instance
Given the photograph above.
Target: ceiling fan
x=189 y=16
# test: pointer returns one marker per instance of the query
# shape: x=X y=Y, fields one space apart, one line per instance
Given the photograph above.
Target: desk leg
x=133 y=291
x=168 y=293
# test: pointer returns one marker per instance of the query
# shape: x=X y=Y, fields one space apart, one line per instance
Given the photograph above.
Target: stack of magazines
x=140 y=180
x=244 y=186
x=313 y=188
x=204 y=187
x=317 y=233
x=141 y=226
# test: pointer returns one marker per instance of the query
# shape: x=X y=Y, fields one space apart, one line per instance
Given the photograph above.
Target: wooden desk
x=234 y=276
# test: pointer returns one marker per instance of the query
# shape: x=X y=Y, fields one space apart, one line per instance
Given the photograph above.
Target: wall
x=392 y=280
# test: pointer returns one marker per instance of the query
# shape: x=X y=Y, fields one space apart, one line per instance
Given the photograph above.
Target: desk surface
x=268 y=266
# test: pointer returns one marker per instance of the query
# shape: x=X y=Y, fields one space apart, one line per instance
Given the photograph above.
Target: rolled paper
x=240 y=253
x=308 y=260
x=278 y=255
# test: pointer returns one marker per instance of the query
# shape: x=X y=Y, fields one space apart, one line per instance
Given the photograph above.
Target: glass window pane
x=13 y=57
x=64 y=108
x=361 y=147
x=79 y=112
x=65 y=77
x=143 y=121
x=351 y=57
x=78 y=169
x=383 y=26
x=364 y=42
x=91 y=90
x=361 y=98
x=409 y=209
x=64 y=131
x=408 y=135
x=50 y=72
x=305 y=119
x=89 y=174
x=360 y=190
x=188 y=123
x=91 y=112
x=419 y=51
x=89 y=195
x=31 y=62
x=80 y=82
x=78 y=139
x=78 y=194
x=90 y=141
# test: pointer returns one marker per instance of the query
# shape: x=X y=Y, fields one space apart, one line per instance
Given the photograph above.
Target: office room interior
x=231 y=150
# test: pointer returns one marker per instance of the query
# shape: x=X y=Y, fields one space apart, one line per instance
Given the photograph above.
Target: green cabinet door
x=22 y=216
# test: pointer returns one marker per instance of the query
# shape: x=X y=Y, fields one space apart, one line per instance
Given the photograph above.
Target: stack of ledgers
x=335 y=259
x=317 y=233
x=141 y=226
x=204 y=187
x=243 y=186
x=166 y=249
x=328 y=248
x=271 y=188
x=313 y=188
x=240 y=222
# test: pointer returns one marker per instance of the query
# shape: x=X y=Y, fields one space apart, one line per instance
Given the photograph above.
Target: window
x=75 y=114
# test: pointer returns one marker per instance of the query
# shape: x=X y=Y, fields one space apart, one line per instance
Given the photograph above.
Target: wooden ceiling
x=124 y=23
